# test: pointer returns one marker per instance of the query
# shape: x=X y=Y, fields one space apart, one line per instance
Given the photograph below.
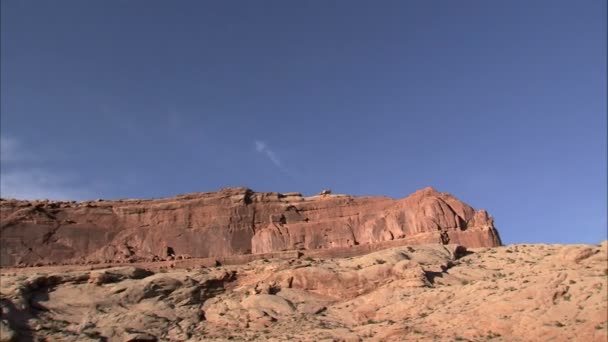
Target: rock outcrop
x=228 y=222
x=408 y=293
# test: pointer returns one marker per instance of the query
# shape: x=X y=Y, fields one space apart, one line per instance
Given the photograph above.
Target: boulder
x=272 y=305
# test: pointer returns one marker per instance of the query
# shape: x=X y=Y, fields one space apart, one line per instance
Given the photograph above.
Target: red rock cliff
x=229 y=222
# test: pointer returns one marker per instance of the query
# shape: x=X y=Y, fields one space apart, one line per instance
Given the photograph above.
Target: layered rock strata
x=229 y=222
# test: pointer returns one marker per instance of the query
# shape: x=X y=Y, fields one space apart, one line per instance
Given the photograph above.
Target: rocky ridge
x=229 y=222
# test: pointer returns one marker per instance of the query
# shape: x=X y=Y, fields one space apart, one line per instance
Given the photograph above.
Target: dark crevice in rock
x=249 y=196
x=48 y=235
x=170 y=252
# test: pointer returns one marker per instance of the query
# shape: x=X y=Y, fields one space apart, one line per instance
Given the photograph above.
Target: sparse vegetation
x=380 y=261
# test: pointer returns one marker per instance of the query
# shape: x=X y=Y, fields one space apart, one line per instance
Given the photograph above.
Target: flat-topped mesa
x=231 y=221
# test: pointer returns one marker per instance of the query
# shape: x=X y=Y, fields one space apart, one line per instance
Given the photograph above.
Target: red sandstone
x=230 y=222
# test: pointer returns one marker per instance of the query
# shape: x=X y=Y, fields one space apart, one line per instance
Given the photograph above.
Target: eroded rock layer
x=229 y=222
x=406 y=293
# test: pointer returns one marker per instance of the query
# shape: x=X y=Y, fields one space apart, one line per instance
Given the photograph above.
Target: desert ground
x=406 y=293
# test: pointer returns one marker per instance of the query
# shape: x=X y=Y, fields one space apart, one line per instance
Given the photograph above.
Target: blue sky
x=502 y=103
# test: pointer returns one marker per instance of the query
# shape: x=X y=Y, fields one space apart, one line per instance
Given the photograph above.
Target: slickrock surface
x=229 y=222
x=408 y=293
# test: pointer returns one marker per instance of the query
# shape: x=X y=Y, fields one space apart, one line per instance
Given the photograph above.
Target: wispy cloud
x=263 y=148
x=174 y=121
x=23 y=175
x=39 y=184
x=11 y=151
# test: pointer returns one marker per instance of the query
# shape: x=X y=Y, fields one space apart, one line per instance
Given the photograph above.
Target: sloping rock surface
x=407 y=293
x=229 y=222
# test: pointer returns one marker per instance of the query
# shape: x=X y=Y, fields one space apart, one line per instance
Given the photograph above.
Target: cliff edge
x=228 y=222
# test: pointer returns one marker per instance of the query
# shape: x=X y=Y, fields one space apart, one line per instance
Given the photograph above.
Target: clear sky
x=501 y=103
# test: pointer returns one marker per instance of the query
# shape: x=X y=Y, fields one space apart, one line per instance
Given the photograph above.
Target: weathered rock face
x=405 y=293
x=230 y=222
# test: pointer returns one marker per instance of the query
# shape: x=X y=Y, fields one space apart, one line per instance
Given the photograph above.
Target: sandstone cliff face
x=229 y=222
